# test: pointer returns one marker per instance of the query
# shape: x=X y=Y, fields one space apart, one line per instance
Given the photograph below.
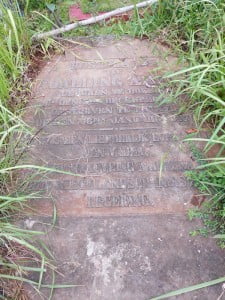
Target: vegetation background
x=194 y=30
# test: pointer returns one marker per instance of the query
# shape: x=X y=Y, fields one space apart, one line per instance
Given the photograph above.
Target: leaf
x=191 y=130
x=51 y=7
x=197 y=200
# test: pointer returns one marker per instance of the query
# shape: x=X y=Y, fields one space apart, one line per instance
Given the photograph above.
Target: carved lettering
x=85 y=82
x=76 y=139
x=101 y=119
x=132 y=183
x=147 y=137
x=107 y=121
x=119 y=201
x=71 y=97
x=121 y=167
x=118 y=152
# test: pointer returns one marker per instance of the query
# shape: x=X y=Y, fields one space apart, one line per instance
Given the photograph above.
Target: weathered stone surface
x=134 y=257
x=100 y=119
x=122 y=230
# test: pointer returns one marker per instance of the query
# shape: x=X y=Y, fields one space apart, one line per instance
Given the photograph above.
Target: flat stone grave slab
x=122 y=230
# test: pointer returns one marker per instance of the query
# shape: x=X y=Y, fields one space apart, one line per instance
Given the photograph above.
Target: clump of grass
x=203 y=83
x=195 y=30
x=96 y=6
x=17 y=246
x=187 y=26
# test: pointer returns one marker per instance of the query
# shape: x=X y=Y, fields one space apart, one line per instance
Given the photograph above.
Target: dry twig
x=92 y=20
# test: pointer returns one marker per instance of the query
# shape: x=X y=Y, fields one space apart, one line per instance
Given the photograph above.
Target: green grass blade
x=219 y=236
x=49 y=286
x=186 y=70
x=190 y=289
x=41 y=272
x=52 y=289
x=32 y=269
x=40 y=168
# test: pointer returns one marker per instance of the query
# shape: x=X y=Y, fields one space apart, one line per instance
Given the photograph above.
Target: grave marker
x=122 y=230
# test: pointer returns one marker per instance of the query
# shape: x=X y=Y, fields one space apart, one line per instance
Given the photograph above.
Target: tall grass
x=15 y=243
x=195 y=30
x=203 y=82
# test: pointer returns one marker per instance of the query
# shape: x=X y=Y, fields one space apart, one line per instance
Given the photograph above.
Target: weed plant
x=202 y=42
x=15 y=243
x=195 y=30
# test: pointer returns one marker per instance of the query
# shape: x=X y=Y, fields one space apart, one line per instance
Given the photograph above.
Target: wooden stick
x=92 y=20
